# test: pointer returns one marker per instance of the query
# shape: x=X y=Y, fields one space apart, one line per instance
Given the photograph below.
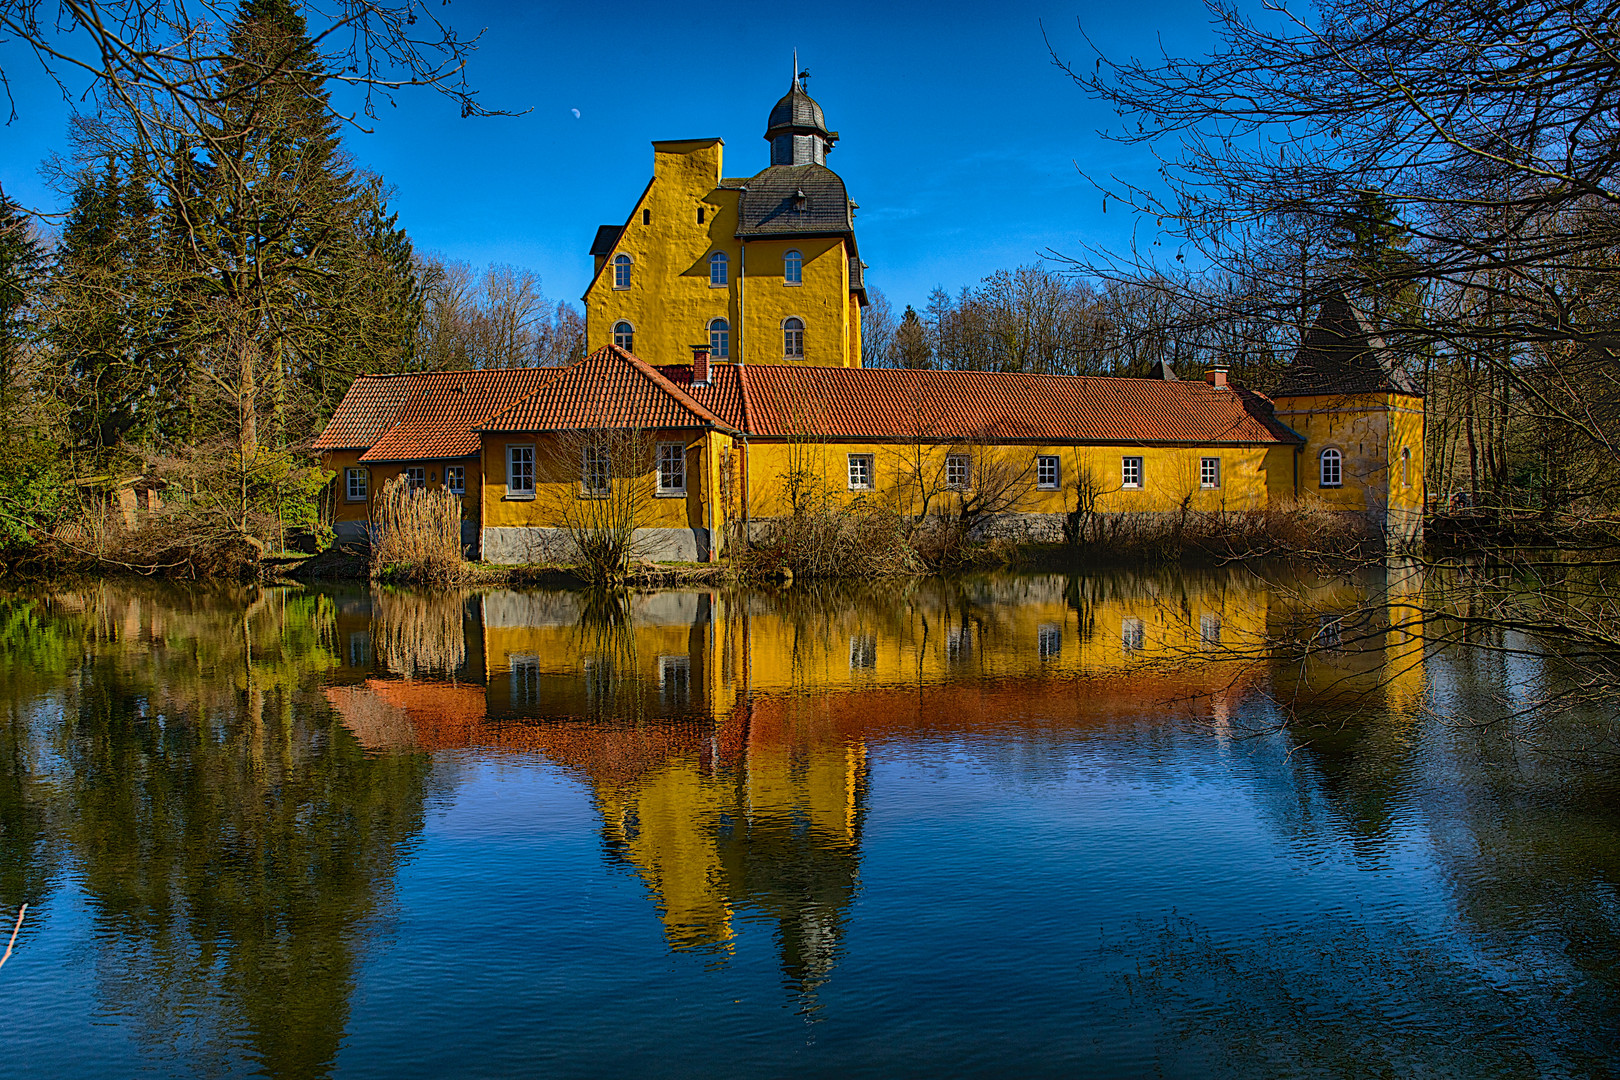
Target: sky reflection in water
x=1031 y=825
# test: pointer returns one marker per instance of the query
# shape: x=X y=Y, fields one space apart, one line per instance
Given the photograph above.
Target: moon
x=575 y=112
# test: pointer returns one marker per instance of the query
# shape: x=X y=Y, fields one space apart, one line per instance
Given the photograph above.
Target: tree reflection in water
x=236 y=776
x=233 y=842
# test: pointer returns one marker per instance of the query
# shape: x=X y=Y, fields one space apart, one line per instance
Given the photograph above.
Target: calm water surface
x=1033 y=826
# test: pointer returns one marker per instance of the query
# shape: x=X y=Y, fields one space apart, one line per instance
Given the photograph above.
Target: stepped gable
x=1342 y=355
x=424 y=415
x=610 y=388
x=899 y=404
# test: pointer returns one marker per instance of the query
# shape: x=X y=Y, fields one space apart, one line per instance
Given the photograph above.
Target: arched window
x=792 y=268
x=624 y=336
x=793 y=339
x=719 y=269
x=719 y=339
x=1332 y=468
x=621 y=271
x=1406 y=466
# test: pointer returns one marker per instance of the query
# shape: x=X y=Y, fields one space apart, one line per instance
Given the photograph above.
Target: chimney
x=1216 y=376
x=700 y=365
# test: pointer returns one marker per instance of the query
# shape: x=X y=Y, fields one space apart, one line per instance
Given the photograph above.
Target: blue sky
x=958 y=138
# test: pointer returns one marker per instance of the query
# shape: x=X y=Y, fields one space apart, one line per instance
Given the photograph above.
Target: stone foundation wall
x=511 y=545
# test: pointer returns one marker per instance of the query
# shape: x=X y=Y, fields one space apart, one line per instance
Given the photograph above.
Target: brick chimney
x=1216 y=376
x=700 y=365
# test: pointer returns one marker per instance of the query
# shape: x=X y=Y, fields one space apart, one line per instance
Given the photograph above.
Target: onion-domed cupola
x=796 y=130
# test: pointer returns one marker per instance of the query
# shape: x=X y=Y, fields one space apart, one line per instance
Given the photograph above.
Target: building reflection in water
x=725 y=737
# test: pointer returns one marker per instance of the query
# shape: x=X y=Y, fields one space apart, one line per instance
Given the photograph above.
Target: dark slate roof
x=1342 y=355
x=606 y=237
x=796 y=111
x=768 y=207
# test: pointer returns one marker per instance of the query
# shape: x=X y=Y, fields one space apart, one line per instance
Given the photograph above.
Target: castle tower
x=797 y=130
x=1361 y=414
x=763 y=268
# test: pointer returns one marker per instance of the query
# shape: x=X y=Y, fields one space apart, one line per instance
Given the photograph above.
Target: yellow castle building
x=725 y=381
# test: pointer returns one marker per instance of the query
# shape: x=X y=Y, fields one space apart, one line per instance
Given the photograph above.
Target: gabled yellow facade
x=790 y=263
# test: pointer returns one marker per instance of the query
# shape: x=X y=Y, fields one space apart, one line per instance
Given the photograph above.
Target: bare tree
x=602 y=489
x=135 y=50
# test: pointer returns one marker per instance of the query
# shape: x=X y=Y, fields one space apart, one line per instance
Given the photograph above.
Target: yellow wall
x=1371 y=431
x=557 y=482
x=380 y=473
x=670 y=301
x=1250 y=475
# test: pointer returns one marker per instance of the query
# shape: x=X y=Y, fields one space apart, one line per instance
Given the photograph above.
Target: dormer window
x=719 y=270
x=621 y=271
x=801 y=201
x=792 y=268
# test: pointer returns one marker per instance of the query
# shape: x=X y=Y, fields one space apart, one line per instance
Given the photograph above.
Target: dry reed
x=416 y=536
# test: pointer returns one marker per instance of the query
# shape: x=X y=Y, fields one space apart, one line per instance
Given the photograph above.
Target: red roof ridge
x=664 y=382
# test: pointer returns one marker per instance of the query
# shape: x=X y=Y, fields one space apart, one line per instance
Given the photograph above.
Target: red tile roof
x=892 y=403
x=366 y=411
x=440 y=414
x=425 y=415
x=608 y=389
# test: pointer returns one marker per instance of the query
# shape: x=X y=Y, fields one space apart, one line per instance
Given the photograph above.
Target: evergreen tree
x=106 y=314
x=30 y=466
x=911 y=341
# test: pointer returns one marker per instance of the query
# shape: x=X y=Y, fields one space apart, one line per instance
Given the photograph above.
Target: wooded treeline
x=1453 y=166
x=221 y=276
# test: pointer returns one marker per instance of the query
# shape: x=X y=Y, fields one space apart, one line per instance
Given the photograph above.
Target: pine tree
x=106 y=313
x=911 y=341
x=30 y=466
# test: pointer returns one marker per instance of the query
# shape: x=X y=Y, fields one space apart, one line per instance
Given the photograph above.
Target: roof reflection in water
x=726 y=737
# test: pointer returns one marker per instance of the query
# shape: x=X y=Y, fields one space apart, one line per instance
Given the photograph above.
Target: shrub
x=417 y=535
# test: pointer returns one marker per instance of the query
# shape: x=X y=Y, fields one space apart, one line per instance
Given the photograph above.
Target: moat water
x=1105 y=824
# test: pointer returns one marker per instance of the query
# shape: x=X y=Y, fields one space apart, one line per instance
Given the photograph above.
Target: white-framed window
x=860 y=472
x=719 y=270
x=1130 y=472
x=1332 y=463
x=356 y=483
x=1406 y=466
x=1046 y=471
x=958 y=468
x=520 y=470
x=624 y=336
x=415 y=477
x=1132 y=634
x=1209 y=472
x=1049 y=641
x=792 y=268
x=793 y=339
x=524 y=671
x=455 y=479
x=596 y=470
x=675 y=680
x=672 y=468
x=719 y=339
x=862 y=652
x=621 y=271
